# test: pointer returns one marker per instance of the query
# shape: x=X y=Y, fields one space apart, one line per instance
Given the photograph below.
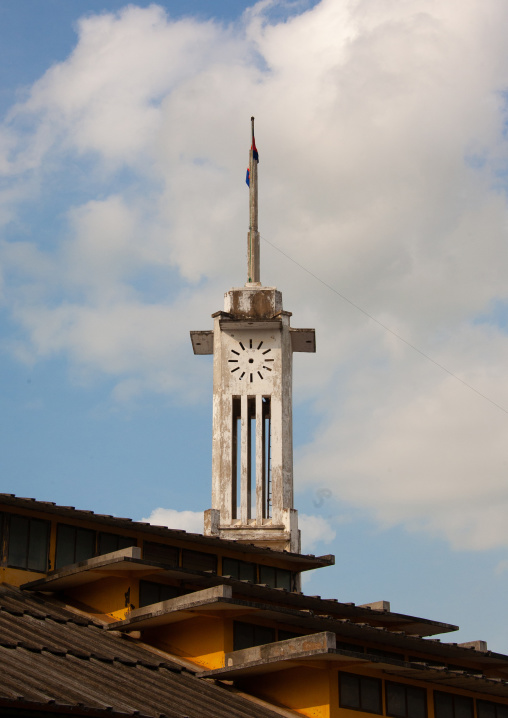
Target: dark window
x=160 y=553
x=488 y=709
x=197 y=561
x=73 y=545
x=150 y=592
x=450 y=705
x=246 y=635
x=360 y=693
x=286 y=635
x=28 y=543
x=276 y=577
x=242 y=570
x=403 y=701
x=114 y=542
x=443 y=705
x=344 y=646
x=385 y=654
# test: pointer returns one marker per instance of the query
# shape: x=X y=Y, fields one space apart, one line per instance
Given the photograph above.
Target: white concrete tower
x=252 y=457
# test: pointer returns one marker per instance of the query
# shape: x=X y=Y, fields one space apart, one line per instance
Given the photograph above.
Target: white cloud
x=191 y=521
x=383 y=171
x=105 y=96
x=501 y=567
x=315 y=530
x=416 y=446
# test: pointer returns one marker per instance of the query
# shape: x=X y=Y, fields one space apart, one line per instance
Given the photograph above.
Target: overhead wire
x=386 y=328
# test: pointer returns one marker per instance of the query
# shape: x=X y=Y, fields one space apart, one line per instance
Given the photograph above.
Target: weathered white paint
x=253 y=349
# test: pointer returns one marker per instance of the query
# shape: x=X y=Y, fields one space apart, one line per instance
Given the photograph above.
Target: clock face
x=251 y=359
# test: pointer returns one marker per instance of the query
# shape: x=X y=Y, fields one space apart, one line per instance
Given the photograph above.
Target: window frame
x=361 y=679
x=407 y=689
x=7 y=519
x=239 y=563
x=454 y=697
x=254 y=628
x=128 y=541
x=160 y=547
x=75 y=529
x=278 y=574
x=188 y=553
x=494 y=705
x=160 y=589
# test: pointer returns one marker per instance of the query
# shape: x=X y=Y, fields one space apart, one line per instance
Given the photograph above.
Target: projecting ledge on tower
x=202 y=342
x=303 y=340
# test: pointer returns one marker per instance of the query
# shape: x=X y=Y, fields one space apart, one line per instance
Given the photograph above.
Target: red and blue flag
x=255 y=156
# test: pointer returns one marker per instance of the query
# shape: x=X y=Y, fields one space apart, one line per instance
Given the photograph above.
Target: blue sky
x=123 y=214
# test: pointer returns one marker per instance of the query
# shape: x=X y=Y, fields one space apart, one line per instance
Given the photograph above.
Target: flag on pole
x=255 y=157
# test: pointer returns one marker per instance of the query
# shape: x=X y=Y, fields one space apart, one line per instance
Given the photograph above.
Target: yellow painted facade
x=313 y=690
x=16 y=576
x=111 y=597
x=305 y=689
x=203 y=640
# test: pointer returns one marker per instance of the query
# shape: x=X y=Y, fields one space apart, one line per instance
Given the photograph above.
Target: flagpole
x=253 y=264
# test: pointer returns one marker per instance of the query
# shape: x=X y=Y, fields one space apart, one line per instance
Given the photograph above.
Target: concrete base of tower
x=265 y=533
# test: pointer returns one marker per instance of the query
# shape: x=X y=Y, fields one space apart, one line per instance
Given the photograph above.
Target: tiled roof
x=53 y=658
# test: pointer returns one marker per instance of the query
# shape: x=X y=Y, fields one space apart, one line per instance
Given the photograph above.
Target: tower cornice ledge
x=255 y=302
x=279 y=535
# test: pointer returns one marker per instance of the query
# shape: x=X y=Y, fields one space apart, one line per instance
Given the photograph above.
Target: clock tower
x=252 y=344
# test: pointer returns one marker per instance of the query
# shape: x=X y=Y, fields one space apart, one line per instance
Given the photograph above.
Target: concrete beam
x=176 y=609
x=173 y=604
x=284 y=650
x=477 y=645
x=377 y=605
x=130 y=552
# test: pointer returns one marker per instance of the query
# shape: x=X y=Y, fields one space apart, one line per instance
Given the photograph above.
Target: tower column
x=245 y=492
x=260 y=461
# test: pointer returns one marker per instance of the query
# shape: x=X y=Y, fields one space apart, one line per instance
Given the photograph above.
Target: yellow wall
x=201 y=640
x=18 y=576
x=111 y=596
x=313 y=690
x=305 y=690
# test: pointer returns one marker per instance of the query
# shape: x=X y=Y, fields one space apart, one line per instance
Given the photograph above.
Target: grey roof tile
x=50 y=656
